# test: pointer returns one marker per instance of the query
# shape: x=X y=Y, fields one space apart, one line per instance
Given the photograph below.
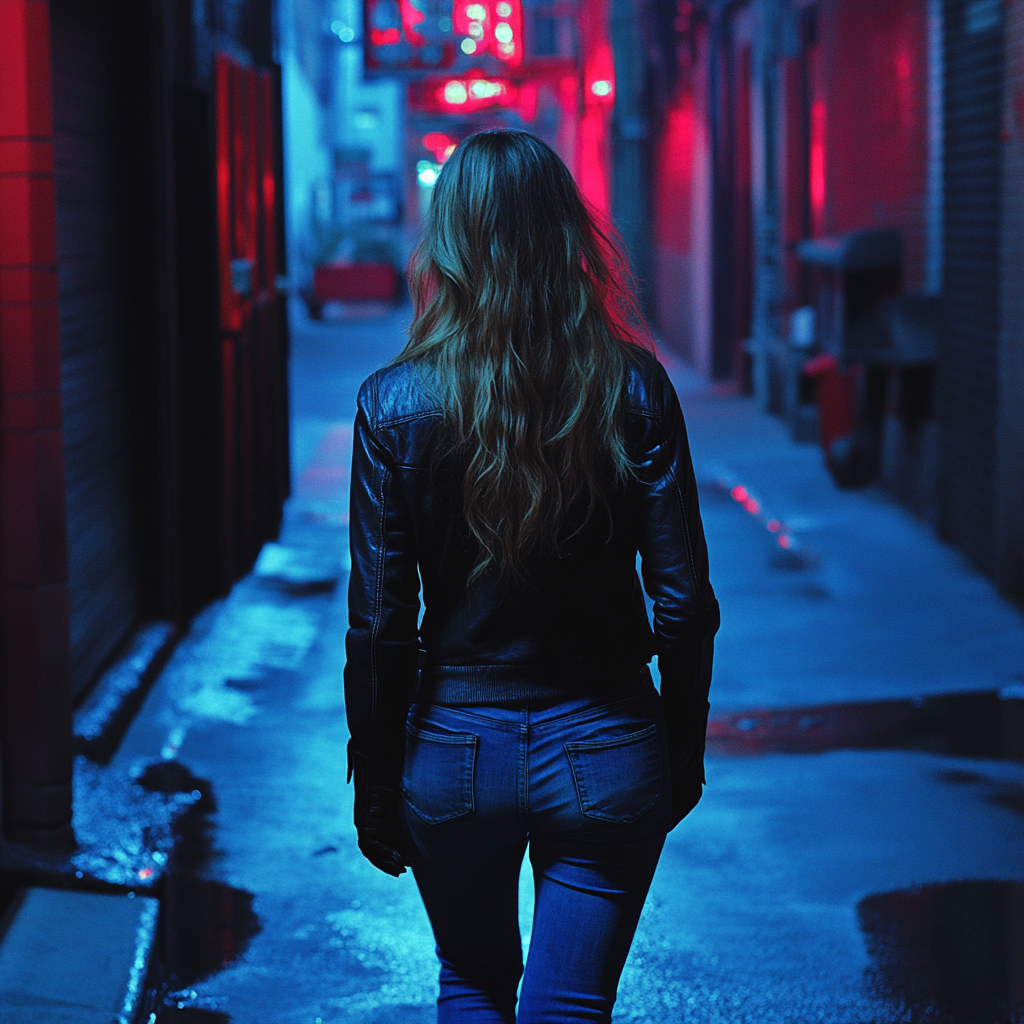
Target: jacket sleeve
x=674 y=564
x=383 y=604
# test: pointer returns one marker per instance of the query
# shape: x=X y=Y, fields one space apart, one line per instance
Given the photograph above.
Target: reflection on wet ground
x=204 y=924
x=986 y=724
x=948 y=953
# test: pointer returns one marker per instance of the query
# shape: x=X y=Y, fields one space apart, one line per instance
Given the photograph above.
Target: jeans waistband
x=517 y=686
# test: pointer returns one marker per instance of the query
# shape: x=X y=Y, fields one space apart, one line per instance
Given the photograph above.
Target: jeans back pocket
x=437 y=780
x=617 y=779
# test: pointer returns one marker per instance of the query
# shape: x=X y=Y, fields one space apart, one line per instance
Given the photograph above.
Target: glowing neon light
x=473 y=92
x=411 y=17
x=441 y=145
x=483 y=89
x=599 y=76
x=385 y=36
x=455 y=93
x=817 y=166
x=401 y=37
x=476 y=93
x=490 y=27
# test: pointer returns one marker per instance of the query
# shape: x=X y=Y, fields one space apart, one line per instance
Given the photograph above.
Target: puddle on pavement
x=983 y=724
x=204 y=924
x=192 y=1015
x=951 y=953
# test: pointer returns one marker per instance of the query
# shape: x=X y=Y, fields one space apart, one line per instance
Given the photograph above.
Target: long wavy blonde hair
x=525 y=310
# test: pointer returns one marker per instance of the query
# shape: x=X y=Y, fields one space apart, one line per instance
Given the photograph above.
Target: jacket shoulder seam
x=641 y=410
x=419 y=414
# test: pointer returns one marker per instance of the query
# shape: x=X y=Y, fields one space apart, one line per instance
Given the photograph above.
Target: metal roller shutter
x=104 y=577
x=969 y=358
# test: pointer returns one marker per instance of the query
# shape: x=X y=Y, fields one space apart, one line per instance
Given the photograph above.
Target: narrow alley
x=796 y=891
x=209 y=220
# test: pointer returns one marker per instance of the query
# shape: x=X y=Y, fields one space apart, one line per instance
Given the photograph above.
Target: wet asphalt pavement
x=858 y=855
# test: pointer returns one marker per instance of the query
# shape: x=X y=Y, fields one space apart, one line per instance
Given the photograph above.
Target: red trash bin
x=836 y=396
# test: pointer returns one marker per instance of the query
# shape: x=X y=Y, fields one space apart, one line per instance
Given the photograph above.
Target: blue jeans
x=587 y=784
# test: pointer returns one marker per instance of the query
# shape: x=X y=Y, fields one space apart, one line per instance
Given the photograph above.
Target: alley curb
x=106 y=713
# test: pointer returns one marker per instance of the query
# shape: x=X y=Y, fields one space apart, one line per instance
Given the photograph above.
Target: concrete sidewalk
x=791 y=894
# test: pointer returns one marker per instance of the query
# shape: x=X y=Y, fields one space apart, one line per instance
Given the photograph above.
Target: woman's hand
x=687 y=784
x=376 y=818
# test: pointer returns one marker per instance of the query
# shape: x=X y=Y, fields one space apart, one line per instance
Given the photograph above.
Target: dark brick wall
x=968 y=385
x=1010 y=466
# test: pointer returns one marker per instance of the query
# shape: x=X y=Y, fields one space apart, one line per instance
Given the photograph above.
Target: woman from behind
x=515 y=458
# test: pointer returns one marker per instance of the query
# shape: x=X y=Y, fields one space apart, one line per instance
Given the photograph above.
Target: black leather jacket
x=580 y=628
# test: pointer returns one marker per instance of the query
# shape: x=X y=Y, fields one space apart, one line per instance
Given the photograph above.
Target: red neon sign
x=385 y=36
x=398 y=37
x=817 y=167
x=410 y=19
x=490 y=26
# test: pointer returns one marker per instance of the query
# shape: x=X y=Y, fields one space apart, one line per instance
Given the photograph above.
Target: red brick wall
x=35 y=669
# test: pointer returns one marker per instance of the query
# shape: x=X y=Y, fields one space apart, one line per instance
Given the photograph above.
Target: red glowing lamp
x=440 y=145
x=599 y=78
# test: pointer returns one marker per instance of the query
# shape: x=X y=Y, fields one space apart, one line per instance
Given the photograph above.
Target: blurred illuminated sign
x=467 y=94
x=491 y=26
x=425 y=35
x=408 y=35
